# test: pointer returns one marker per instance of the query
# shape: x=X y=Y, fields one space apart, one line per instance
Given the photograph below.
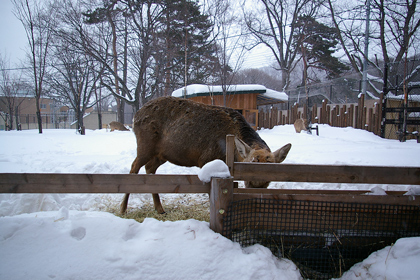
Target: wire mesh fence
x=324 y=239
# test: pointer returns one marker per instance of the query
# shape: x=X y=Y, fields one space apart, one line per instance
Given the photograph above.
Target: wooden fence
x=360 y=115
x=223 y=194
x=222 y=191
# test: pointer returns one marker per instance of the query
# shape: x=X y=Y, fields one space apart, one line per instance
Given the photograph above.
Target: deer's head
x=249 y=154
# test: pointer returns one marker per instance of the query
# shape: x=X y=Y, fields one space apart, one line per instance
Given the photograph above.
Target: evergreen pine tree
x=317 y=43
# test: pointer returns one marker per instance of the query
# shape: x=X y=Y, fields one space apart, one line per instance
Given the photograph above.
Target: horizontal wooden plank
x=64 y=178
x=100 y=183
x=327 y=173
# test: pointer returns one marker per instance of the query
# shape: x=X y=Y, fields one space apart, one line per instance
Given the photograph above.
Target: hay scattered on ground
x=183 y=208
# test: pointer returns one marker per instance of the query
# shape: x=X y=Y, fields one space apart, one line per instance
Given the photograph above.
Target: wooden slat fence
x=354 y=115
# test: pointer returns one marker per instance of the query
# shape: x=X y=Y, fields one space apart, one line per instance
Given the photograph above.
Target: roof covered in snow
x=411 y=97
x=265 y=94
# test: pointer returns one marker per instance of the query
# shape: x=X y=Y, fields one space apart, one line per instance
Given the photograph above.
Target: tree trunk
x=17 y=119
x=80 y=127
x=38 y=115
x=99 y=120
x=120 y=109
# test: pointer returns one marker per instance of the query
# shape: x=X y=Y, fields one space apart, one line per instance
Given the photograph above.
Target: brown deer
x=188 y=133
x=301 y=124
x=117 y=126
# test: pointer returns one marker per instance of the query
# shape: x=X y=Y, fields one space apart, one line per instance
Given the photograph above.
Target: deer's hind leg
x=151 y=168
x=135 y=167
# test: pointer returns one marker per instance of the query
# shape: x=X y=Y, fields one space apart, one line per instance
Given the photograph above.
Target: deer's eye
x=269 y=159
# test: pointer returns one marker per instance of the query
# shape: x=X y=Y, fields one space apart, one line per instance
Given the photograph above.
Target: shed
x=395 y=103
x=244 y=98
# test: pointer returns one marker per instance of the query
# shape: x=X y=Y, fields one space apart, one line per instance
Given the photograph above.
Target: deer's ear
x=242 y=148
x=280 y=154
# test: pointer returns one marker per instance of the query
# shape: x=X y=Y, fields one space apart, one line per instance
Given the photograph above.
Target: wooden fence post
x=356 y=116
x=361 y=114
x=364 y=118
x=351 y=115
x=379 y=119
x=328 y=117
x=315 y=118
x=272 y=118
x=230 y=152
x=221 y=194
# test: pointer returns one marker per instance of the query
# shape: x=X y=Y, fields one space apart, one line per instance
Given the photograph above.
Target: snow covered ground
x=68 y=236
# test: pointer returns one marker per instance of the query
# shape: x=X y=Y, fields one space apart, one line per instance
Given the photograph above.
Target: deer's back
x=189 y=133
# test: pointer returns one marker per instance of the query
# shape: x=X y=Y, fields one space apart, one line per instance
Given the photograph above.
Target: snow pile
x=400 y=261
x=413 y=191
x=377 y=191
x=70 y=239
x=198 y=89
x=281 y=95
x=215 y=168
x=96 y=245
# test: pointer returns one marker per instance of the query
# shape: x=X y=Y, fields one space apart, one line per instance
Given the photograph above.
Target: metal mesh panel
x=324 y=239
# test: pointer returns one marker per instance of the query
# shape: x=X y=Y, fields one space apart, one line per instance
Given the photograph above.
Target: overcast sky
x=12 y=35
x=13 y=41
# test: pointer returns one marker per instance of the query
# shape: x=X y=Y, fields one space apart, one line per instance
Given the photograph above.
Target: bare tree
x=265 y=76
x=37 y=18
x=12 y=93
x=271 y=23
x=73 y=79
x=230 y=48
x=125 y=47
x=393 y=32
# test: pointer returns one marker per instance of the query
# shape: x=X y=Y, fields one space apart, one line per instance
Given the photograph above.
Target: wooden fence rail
x=142 y=183
x=327 y=173
x=100 y=183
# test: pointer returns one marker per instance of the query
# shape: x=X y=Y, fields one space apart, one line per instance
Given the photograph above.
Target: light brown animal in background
x=117 y=126
x=301 y=124
x=188 y=133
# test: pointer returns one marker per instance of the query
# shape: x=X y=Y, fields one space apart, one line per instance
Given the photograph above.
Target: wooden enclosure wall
x=235 y=101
